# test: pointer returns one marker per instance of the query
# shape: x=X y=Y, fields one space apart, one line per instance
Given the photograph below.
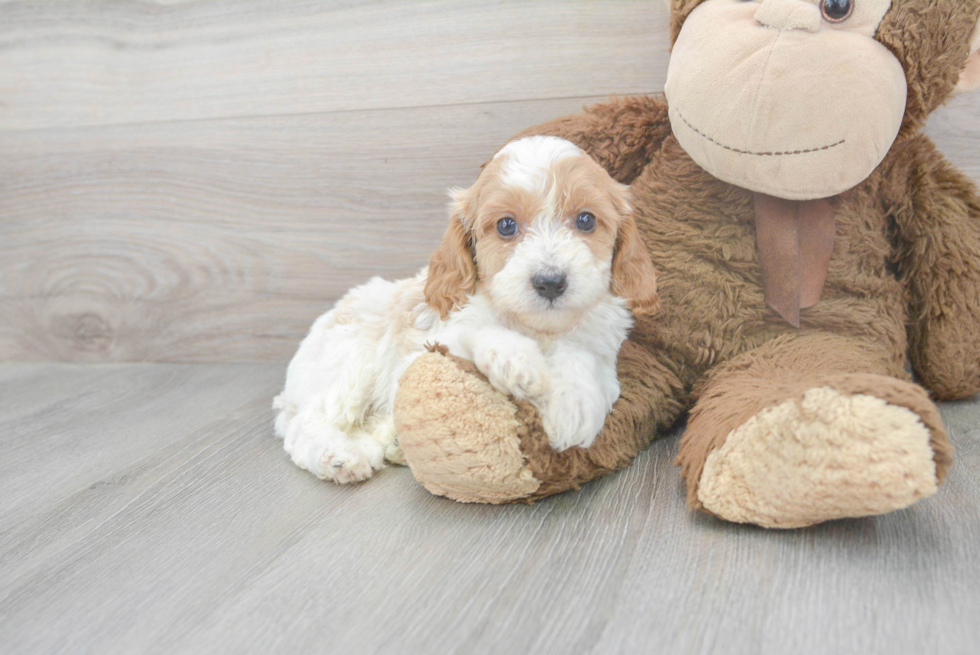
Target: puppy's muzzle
x=550 y=284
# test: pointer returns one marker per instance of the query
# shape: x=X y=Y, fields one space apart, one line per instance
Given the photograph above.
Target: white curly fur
x=335 y=412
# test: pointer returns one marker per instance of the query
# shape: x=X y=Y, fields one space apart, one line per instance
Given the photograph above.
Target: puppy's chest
x=547 y=346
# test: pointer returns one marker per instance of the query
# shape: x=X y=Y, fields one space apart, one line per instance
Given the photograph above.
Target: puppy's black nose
x=550 y=284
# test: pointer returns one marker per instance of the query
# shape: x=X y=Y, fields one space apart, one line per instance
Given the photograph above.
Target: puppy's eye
x=506 y=227
x=837 y=11
x=585 y=222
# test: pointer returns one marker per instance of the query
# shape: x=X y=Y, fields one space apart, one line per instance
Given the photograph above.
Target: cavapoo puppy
x=534 y=282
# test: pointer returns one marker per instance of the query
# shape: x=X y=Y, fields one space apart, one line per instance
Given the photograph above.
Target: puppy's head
x=546 y=233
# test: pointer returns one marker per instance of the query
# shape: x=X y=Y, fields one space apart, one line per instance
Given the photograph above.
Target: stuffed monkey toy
x=809 y=241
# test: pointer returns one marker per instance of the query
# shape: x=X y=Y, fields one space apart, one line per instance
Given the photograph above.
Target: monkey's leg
x=939 y=257
x=461 y=438
x=809 y=428
x=650 y=401
x=622 y=134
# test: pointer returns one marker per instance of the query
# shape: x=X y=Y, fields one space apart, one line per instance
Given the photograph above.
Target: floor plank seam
x=589 y=98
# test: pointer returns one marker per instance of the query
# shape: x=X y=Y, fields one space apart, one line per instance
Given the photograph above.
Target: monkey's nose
x=789 y=15
x=550 y=284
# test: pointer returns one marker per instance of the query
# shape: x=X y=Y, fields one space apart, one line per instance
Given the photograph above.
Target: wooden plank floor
x=147 y=508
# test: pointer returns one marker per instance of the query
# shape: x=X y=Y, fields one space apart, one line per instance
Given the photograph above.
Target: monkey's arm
x=621 y=134
x=939 y=257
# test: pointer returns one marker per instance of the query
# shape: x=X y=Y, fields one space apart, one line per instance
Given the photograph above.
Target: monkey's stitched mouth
x=759 y=154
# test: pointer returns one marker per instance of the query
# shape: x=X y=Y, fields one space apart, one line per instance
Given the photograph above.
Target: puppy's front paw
x=344 y=462
x=571 y=420
x=521 y=372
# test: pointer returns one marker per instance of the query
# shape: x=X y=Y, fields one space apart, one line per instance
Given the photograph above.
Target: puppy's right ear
x=452 y=270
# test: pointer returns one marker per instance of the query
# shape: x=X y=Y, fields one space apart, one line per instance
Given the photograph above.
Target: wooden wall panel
x=189 y=180
x=95 y=63
x=956 y=130
x=222 y=240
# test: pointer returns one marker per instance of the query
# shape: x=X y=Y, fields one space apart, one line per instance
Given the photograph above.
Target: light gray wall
x=188 y=180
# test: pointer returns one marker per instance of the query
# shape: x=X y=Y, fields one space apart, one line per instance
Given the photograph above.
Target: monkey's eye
x=507 y=227
x=585 y=222
x=837 y=11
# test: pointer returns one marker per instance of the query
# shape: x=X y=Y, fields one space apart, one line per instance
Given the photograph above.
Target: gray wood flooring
x=147 y=508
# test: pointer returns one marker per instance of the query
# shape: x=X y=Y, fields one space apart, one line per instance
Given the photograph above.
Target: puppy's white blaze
x=550 y=244
x=529 y=160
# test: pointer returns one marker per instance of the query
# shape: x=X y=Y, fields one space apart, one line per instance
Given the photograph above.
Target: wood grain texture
x=956 y=130
x=148 y=508
x=195 y=181
x=68 y=64
x=223 y=240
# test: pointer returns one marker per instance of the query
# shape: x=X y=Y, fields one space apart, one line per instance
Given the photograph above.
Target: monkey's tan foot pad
x=827 y=455
x=459 y=435
x=467 y=441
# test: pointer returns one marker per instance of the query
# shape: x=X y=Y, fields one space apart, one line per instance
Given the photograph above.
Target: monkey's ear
x=970 y=77
x=452 y=271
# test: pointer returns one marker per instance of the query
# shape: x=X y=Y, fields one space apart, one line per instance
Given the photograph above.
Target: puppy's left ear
x=970 y=76
x=452 y=270
x=633 y=277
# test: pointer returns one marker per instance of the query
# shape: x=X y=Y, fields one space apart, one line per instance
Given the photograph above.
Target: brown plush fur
x=904 y=276
x=931 y=40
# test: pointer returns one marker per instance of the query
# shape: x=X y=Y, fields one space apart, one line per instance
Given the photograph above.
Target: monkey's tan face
x=793 y=98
